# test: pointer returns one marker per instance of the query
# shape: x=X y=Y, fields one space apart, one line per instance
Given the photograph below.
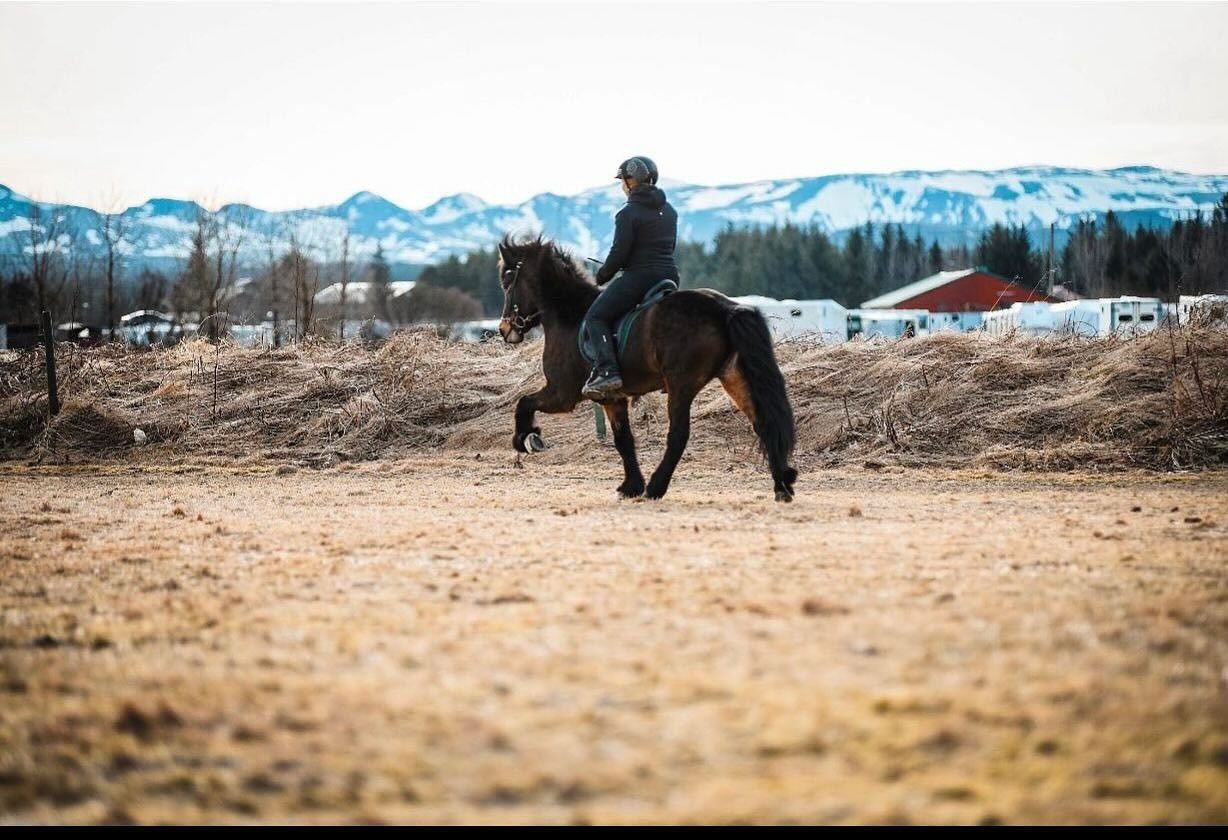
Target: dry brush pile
x=1159 y=402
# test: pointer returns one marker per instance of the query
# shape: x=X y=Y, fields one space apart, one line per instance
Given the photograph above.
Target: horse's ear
x=502 y=246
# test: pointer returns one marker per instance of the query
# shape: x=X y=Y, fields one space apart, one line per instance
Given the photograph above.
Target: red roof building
x=969 y=290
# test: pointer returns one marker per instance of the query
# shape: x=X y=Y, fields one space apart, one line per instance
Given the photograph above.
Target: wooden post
x=599 y=421
x=1052 y=259
x=53 y=397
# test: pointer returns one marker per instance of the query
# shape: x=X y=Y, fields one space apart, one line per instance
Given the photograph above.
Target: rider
x=645 y=232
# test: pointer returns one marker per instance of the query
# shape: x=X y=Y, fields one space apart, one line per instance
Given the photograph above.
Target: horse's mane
x=568 y=288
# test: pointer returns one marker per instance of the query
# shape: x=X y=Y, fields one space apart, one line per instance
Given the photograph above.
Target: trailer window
x=1121 y=319
x=796 y=313
x=1146 y=317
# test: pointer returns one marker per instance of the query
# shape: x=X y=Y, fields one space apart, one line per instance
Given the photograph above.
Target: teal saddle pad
x=623 y=328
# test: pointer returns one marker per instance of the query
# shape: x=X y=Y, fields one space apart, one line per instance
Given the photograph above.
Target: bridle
x=520 y=323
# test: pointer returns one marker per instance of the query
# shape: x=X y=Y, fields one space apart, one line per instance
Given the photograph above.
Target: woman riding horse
x=645 y=233
x=677 y=345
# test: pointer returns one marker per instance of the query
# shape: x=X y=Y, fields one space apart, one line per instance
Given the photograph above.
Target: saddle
x=623 y=328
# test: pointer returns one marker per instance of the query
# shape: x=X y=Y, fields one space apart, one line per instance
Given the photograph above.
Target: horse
x=677 y=345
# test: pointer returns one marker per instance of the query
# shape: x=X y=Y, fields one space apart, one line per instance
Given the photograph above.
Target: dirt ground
x=453 y=639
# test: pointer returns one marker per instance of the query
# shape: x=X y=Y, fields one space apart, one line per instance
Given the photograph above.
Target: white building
x=361 y=293
x=145 y=327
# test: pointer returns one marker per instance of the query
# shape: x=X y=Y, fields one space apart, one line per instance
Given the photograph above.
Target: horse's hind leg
x=739 y=392
x=736 y=386
x=675 y=444
x=624 y=442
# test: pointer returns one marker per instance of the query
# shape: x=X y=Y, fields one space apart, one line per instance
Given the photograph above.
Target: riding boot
x=605 y=380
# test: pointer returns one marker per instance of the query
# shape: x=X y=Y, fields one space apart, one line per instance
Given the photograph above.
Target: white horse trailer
x=1023 y=318
x=956 y=321
x=1210 y=307
x=825 y=320
x=1129 y=314
x=483 y=330
x=1078 y=317
x=888 y=323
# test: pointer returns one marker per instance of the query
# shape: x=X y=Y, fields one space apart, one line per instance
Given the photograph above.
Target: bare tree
x=273 y=276
x=345 y=273
x=114 y=229
x=44 y=234
x=192 y=291
x=212 y=269
x=304 y=277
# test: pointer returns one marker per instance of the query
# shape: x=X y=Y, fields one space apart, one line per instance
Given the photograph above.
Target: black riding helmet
x=640 y=168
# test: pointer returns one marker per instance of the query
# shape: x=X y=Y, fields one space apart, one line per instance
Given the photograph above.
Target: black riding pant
x=621 y=295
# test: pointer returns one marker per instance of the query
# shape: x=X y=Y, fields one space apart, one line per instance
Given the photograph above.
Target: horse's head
x=520 y=271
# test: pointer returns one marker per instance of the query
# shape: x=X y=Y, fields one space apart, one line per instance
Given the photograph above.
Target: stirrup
x=601 y=387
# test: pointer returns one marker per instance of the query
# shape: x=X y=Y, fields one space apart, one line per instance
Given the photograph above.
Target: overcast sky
x=288 y=105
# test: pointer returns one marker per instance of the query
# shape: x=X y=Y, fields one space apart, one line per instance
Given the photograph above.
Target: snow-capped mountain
x=948 y=206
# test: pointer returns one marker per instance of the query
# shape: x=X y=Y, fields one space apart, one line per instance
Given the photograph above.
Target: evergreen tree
x=935 y=258
x=884 y=269
x=381 y=281
x=190 y=292
x=1007 y=252
x=859 y=268
x=1115 y=249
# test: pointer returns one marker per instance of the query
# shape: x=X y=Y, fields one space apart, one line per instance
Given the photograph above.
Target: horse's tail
x=773 y=420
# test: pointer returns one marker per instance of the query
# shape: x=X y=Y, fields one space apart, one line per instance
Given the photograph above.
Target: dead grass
x=1158 y=402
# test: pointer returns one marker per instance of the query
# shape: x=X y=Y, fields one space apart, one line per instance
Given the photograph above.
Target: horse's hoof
x=784 y=495
x=630 y=491
x=534 y=442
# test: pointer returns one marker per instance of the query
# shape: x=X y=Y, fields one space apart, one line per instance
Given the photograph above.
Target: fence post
x=53 y=397
x=599 y=421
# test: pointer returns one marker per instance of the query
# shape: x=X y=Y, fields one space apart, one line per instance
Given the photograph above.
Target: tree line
x=219 y=283
x=1098 y=259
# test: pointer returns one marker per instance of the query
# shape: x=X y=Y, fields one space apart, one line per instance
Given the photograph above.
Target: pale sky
x=289 y=105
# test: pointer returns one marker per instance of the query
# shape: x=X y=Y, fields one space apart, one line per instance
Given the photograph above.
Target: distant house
x=969 y=290
x=361 y=306
x=76 y=332
x=19 y=336
x=146 y=327
x=362 y=293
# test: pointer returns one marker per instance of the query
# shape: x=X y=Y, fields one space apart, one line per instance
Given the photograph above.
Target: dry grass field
x=448 y=638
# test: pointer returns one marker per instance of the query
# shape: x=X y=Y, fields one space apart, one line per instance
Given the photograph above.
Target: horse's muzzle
x=510 y=334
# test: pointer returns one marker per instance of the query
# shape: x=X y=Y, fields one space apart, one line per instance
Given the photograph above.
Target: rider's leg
x=605 y=379
x=619 y=297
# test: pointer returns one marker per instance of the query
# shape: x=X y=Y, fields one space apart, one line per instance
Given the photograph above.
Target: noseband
x=520 y=323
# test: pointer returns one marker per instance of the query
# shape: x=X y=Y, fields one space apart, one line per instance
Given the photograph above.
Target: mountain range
x=950 y=206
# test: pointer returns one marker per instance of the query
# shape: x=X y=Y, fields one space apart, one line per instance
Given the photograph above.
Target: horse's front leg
x=624 y=442
x=549 y=399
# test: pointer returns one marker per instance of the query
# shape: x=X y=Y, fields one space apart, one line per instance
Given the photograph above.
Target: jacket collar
x=648 y=194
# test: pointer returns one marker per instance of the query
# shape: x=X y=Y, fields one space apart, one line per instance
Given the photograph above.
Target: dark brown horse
x=678 y=345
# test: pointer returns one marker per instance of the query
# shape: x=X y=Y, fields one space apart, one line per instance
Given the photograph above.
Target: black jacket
x=645 y=232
